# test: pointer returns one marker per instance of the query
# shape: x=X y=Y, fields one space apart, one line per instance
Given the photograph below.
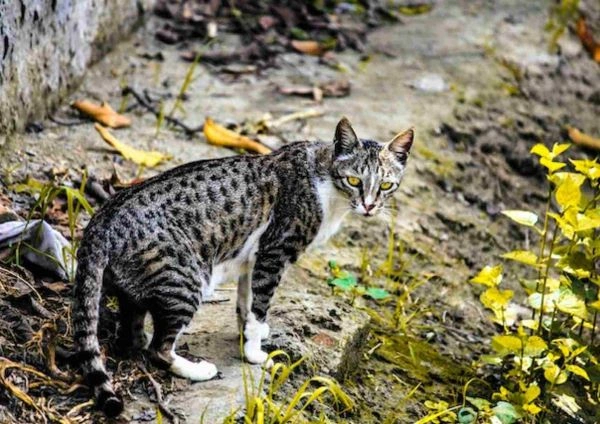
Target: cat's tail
x=85 y=315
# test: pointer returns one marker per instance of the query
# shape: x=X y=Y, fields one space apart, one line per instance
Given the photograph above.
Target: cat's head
x=368 y=172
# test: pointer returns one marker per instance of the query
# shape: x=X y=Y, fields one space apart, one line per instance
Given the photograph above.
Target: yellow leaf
x=532 y=408
x=535 y=346
x=531 y=393
x=572 y=304
x=496 y=299
x=558 y=149
x=221 y=136
x=552 y=166
x=489 y=276
x=141 y=157
x=526 y=218
x=568 y=192
x=507 y=345
x=541 y=150
x=103 y=114
x=578 y=371
x=523 y=256
x=553 y=374
x=589 y=168
x=587 y=221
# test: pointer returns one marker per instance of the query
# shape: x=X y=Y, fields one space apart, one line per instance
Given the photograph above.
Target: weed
x=539 y=354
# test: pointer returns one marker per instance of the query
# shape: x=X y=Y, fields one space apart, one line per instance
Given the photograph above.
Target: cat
x=164 y=245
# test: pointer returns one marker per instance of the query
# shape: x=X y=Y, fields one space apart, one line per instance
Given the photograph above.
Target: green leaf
x=377 y=293
x=526 y=218
x=506 y=412
x=523 y=256
x=479 y=403
x=343 y=283
x=507 y=345
x=466 y=415
x=489 y=276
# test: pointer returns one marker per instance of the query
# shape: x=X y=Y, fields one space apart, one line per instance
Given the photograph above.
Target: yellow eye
x=386 y=186
x=353 y=181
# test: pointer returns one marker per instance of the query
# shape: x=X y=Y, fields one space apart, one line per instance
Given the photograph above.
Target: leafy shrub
x=540 y=353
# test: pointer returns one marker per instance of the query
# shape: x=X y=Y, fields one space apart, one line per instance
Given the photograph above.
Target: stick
x=140 y=99
x=159 y=397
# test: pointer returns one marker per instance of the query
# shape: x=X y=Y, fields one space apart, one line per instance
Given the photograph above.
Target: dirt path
x=490 y=60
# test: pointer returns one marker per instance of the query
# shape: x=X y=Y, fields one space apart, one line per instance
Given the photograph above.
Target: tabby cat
x=164 y=245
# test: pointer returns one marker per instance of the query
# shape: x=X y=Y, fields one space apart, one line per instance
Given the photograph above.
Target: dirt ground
x=475 y=79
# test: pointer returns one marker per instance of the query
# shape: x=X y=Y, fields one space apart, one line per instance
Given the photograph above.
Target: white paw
x=263 y=330
x=195 y=371
x=257 y=356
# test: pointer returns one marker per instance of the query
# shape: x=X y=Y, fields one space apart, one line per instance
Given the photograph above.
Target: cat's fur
x=164 y=245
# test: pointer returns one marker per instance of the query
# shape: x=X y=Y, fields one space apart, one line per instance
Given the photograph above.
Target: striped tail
x=85 y=316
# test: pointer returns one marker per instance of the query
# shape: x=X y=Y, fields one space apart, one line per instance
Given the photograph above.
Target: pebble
x=429 y=83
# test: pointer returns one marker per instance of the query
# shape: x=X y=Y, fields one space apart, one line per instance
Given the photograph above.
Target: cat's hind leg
x=132 y=336
x=173 y=306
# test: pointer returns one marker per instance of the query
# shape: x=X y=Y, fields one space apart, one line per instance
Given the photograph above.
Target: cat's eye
x=353 y=181
x=386 y=186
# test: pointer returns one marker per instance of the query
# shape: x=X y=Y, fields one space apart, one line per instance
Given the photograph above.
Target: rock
x=429 y=83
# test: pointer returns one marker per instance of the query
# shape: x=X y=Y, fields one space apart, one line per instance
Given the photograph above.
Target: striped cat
x=164 y=245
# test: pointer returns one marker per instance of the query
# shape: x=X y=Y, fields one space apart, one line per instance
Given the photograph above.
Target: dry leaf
x=583 y=139
x=104 y=114
x=141 y=157
x=220 y=136
x=310 y=47
x=587 y=39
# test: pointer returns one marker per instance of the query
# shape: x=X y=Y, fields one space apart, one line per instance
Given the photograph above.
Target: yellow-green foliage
x=555 y=344
x=265 y=405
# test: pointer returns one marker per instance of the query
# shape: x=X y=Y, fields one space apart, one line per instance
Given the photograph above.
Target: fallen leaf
x=221 y=136
x=104 y=114
x=583 y=139
x=141 y=157
x=310 y=47
x=587 y=39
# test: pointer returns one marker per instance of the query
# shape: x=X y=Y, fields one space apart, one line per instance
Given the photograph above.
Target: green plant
x=556 y=343
x=347 y=282
x=264 y=403
x=45 y=193
x=561 y=14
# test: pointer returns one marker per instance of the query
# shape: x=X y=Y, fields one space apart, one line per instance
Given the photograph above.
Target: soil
x=502 y=91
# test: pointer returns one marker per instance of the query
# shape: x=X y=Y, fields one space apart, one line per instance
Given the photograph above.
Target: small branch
x=146 y=105
x=159 y=397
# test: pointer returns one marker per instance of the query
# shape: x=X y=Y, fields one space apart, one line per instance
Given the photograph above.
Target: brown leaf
x=104 y=114
x=587 y=39
x=56 y=287
x=324 y=340
x=583 y=139
x=309 y=47
x=221 y=136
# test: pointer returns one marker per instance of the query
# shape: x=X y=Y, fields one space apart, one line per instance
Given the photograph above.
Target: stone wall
x=46 y=46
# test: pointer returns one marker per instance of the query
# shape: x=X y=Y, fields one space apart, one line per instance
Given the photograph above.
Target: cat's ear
x=345 y=138
x=400 y=145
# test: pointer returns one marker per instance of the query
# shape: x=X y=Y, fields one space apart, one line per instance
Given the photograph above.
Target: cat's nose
x=370 y=207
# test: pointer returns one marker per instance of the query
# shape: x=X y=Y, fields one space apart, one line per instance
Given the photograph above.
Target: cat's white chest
x=334 y=206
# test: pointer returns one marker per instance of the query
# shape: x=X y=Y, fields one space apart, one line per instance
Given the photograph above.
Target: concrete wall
x=46 y=46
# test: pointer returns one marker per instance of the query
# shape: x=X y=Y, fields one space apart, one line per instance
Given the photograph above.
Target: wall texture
x=46 y=46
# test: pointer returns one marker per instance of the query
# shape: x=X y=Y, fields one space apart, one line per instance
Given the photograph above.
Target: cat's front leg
x=271 y=260
x=244 y=305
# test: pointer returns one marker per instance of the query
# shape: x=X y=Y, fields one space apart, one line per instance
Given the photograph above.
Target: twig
x=159 y=397
x=69 y=123
x=217 y=301
x=145 y=104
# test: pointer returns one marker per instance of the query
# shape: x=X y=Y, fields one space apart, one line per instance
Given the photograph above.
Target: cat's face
x=368 y=172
